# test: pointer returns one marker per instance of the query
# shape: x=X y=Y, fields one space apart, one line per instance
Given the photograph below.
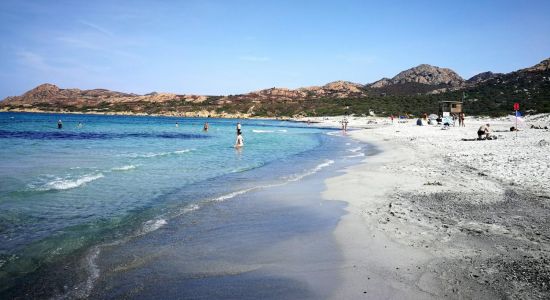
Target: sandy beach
x=431 y=216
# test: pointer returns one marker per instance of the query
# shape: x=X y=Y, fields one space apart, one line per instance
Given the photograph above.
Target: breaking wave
x=65 y=184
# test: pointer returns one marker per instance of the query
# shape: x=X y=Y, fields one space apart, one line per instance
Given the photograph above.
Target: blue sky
x=230 y=47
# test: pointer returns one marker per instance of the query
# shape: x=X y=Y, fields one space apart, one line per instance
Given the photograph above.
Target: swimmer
x=177 y=124
x=239 y=142
x=205 y=128
x=59 y=124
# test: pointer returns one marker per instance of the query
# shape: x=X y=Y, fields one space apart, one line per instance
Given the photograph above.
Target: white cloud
x=97 y=28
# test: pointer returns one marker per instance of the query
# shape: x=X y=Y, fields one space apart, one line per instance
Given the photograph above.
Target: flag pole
x=516 y=124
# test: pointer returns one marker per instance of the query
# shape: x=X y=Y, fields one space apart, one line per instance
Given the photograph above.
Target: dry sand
x=432 y=216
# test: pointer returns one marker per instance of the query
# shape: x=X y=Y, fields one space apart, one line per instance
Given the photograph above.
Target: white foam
x=317 y=168
x=83 y=289
x=65 y=184
x=190 y=208
x=355 y=149
x=237 y=193
x=181 y=151
x=356 y=155
x=262 y=131
x=152 y=225
x=282 y=130
x=157 y=154
x=124 y=168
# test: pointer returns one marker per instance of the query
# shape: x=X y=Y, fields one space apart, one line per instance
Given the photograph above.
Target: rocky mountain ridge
x=423 y=74
x=421 y=80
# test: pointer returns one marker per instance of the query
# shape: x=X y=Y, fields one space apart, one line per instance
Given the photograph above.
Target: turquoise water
x=105 y=178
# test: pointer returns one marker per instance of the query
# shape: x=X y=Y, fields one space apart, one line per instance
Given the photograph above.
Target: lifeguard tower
x=447 y=108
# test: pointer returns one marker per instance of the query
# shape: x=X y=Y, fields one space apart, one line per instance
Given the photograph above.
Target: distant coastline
x=129 y=113
x=414 y=91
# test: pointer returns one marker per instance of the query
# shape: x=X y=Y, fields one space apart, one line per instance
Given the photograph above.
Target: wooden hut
x=450 y=107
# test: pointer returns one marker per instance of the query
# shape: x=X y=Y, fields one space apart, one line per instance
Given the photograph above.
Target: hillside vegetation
x=414 y=91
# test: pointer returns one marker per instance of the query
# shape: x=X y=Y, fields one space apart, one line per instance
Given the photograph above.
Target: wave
x=149 y=226
x=262 y=131
x=83 y=289
x=237 y=193
x=355 y=149
x=317 y=168
x=268 y=131
x=157 y=154
x=356 y=155
x=152 y=225
x=65 y=184
x=124 y=168
x=294 y=178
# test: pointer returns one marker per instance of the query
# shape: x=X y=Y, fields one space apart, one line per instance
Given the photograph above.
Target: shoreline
x=428 y=219
x=127 y=113
x=373 y=260
x=305 y=216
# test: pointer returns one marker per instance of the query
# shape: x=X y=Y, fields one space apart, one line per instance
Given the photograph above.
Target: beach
x=382 y=211
x=431 y=216
x=136 y=207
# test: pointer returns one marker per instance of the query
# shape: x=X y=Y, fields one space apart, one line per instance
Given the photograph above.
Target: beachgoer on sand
x=461 y=120
x=484 y=130
x=345 y=124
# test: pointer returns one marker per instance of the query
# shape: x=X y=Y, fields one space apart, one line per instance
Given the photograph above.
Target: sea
x=155 y=207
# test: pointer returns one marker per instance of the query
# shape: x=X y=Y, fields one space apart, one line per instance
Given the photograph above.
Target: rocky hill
x=415 y=89
x=421 y=79
x=334 y=90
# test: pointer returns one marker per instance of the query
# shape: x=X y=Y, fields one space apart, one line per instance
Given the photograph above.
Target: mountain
x=420 y=79
x=415 y=90
x=49 y=97
x=540 y=67
x=336 y=89
x=481 y=77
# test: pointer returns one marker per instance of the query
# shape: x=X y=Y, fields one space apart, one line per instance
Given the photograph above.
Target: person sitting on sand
x=484 y=130
x=239 y=142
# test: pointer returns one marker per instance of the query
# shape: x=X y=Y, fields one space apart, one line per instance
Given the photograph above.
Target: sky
x=230 y=47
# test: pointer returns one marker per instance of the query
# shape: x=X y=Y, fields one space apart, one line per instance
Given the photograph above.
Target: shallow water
x=82 y=195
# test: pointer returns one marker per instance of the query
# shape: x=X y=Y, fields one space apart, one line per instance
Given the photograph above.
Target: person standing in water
x=238 y=128
x=205 y=128
x=59 y=124
x=240 y=141
x=177 y=124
